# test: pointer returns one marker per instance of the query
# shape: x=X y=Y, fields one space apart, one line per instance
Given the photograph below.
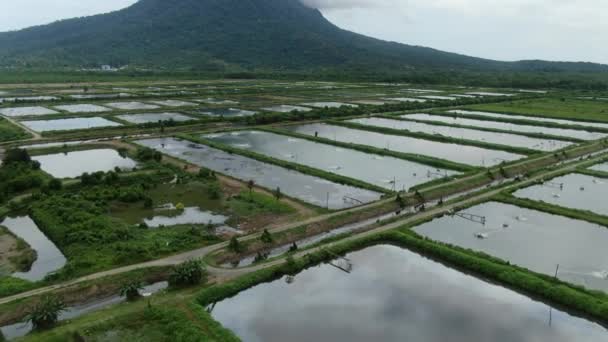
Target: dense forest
x=253 y=36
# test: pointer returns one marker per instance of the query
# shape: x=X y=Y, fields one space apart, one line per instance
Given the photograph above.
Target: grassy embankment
x=10 y=132
x=552 y=107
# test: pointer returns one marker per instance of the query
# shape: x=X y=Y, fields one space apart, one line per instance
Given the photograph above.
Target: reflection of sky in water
x=394 y=295
x=572 y=133
x=74 y=164
x=385 y=172
x=453 y=152
x=291 y=183
x=533 y=239
x=579 y=192
x=468 y=134
x=48 y=259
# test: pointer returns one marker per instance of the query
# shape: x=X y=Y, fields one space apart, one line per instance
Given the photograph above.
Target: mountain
x=230 y=35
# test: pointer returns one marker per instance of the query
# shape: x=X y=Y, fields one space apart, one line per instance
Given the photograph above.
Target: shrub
x=190 y=272
x=131 y=290
x=46 y=313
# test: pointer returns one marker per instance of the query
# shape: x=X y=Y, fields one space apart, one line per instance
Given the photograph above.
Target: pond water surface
x=531 y=118
x=470 y=155
x=328 y=104
x=228 y=112
x=132 y=105
x=74 y=164
x=27 y=111
x=532 y=239
x=83 y=108
x=393 y=294
x=286 y=109
x=154 y=117
x=600 y=167
x=387 y=172
x=469 y=134
x=575 y=190
x=49 y=258
x=307 y=188
x=69 y=124
x=565 y=132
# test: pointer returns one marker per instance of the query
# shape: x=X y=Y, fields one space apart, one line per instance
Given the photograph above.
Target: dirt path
x=225 y=274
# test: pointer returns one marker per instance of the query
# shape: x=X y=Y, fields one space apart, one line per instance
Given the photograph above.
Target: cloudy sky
x=572 y=30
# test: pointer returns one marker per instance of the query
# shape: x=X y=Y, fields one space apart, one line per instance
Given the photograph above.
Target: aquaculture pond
x=575 y=190
x=132 y=105
x=74 y=164
x=469 y=134
x=471 y=155
x=154 y=117
x=314 y=190
x=436 y=97
x=406 y=99
x=328 y=104
x=531 y=118
x=83 y=108
x=21 y=329
x=393 y=294
x=69 y=124
x=227 y=112
x=532 y=239
x=387 y=172
x=600 y=167
x=48 y=257
x=27 y=111
x=565 y=132
x=286 y=109
x=174 y=103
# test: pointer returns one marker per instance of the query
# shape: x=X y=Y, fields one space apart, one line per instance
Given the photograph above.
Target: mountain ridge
x=242 y=35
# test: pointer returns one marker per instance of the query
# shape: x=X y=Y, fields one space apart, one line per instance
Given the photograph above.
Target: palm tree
x=46 y=313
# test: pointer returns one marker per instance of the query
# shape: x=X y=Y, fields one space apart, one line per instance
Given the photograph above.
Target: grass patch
x=10 y=132
x=551 y=107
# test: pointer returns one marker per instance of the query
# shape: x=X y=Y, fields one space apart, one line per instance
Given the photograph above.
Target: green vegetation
x=46 y=313
x=131 y=289
x=561 y=108
x=175 y=321
x=10 y=286
x=19 y=174
x=92 y=240
x=188 y=273
x=10 y=132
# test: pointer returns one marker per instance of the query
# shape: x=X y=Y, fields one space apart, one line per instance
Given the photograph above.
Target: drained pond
x=74 y=164
x=393 y=294
x=531 y=239
x=470 y=155
x=571 y=191
x=387 y=172
x=310 y=189
x=468 y=134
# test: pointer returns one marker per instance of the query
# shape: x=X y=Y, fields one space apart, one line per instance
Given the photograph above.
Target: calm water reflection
x=49 y=257
x=74 y=164
x=307 y=188
x=468 y=134
x=572 y=133
x=395 y=295
x=572 y=191
x=532 y=239
x=457 y=153
x=69 y=124
x=387 y=172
